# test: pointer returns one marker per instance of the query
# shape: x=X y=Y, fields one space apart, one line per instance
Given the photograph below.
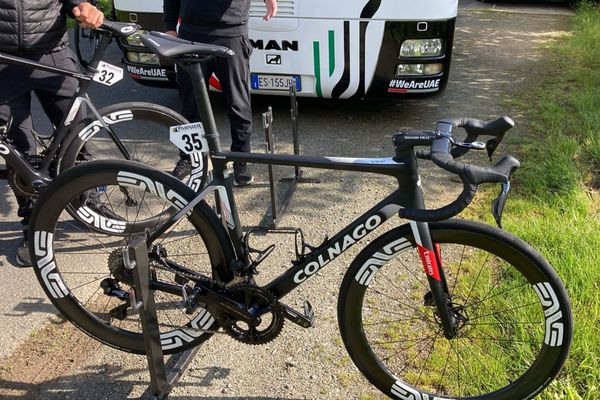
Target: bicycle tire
x=511 y=351
x=86 y=41
x=143 y=128
x=75 y=265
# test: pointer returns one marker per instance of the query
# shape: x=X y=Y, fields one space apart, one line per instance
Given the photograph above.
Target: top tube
x=16 y=60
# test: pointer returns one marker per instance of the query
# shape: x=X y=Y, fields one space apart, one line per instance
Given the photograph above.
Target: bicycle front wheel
x=83 y=270
x=86 y=41
x=139 y=131
x=513 y=316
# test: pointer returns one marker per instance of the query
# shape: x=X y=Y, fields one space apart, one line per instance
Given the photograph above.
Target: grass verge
x=555 y=203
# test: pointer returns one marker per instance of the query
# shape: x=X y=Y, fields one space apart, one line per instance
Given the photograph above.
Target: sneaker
x=241 y=175
x=182 y=169
x=23 y=257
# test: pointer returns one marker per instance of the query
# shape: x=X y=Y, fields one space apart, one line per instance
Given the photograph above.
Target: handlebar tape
x=471 y=176
x=442 y=213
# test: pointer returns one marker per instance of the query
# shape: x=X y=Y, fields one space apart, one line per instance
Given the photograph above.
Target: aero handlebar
x=470 y=175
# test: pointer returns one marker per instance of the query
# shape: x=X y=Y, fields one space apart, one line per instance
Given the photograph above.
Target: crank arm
x=223 y=304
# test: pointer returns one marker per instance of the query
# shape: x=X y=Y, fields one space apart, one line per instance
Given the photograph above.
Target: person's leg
x=21 y=129
x=234 y=74
x=21 y=135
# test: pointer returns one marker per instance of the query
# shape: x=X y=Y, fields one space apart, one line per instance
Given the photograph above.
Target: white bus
x=333 y=48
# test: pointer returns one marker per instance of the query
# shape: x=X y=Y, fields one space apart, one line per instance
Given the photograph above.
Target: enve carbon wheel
x=82 y=270
x=514 y=319
x=141 y=128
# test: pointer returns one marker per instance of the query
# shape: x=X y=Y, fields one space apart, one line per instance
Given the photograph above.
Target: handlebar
x=121 y=29
x=442 y=155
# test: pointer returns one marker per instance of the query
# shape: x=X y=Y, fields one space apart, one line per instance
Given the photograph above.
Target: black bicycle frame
x=403 y=167
x=57 y=148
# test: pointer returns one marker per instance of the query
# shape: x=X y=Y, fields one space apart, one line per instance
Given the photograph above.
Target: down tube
x=335 y=246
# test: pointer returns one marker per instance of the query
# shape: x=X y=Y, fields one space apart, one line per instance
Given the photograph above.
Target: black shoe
x=241 y=175
x=23 y=257
x=182 y=169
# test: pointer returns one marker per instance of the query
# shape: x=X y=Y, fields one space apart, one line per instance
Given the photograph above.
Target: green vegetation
x=556 y=202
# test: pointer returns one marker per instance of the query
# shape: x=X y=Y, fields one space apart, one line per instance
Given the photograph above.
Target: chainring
x=258 y=301
x=20 y=186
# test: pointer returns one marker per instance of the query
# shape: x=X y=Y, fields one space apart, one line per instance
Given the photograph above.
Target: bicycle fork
x=439 y=296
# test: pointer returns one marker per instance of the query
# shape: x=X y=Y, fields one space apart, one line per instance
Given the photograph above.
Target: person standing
x=37 y=30
x=225 y=23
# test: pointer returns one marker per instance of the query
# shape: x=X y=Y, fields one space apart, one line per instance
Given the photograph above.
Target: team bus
x=331 y=48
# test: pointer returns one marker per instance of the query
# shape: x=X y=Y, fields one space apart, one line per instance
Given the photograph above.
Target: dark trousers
x=233 y=74
x=54 y=93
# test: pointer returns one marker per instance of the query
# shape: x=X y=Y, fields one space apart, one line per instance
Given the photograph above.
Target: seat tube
x=203 y=103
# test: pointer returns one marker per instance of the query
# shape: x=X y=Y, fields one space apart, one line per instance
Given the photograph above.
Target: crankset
x=20 y=185
x=267 y=315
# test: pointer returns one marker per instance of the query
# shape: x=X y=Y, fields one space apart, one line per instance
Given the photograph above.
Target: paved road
x=496 y=53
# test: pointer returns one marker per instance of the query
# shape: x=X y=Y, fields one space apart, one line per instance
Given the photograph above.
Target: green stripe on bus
x=317 y=58
x=331 y=52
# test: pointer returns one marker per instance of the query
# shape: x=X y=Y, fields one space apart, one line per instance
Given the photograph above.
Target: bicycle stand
x=142 y=300
x=280 y=197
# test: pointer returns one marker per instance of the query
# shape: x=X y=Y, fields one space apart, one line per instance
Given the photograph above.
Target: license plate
x=274 y=82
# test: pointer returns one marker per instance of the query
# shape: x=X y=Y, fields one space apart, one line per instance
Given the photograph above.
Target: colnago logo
x=150 y=72
x=338 y=248
x=412 y=84
x=4 y=150
x=283 y=45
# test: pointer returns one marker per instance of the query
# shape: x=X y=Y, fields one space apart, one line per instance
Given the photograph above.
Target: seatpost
x=203 y=103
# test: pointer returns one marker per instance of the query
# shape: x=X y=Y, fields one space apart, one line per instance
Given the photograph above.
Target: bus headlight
x=134 y=40
x=142 y=58
x=419 y=69
x=421 y=48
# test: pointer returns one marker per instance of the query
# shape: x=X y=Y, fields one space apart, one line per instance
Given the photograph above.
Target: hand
x=271 y=9
x=171 y=33
x=88 y=16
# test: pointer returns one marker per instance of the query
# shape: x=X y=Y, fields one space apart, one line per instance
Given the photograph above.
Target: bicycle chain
x=252 y=296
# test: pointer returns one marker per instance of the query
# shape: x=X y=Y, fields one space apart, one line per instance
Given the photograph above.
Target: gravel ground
x=496 y=55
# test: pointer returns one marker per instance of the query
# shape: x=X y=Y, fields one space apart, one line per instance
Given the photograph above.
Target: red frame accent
x=430 y=264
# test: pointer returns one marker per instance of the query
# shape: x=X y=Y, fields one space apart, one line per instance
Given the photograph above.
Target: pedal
x=306 y=320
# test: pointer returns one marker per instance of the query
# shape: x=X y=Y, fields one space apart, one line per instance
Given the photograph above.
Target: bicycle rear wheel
x=142 y=129
x=82 y=270
x=513 y=313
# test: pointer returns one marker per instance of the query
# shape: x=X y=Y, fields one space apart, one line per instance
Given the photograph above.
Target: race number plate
x=108 y=74
x=189 y=138
x=274 y=82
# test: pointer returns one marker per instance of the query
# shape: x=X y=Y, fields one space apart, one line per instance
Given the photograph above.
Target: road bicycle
x=129 y=130
x=436 y=308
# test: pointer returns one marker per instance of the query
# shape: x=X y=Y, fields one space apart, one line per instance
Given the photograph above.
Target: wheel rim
x=502 y=335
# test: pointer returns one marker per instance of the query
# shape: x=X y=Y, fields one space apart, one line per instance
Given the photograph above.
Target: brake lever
x=492 y=145
x=499 y=203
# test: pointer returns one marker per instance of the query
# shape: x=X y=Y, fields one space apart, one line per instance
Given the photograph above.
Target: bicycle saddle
x=167 y=46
